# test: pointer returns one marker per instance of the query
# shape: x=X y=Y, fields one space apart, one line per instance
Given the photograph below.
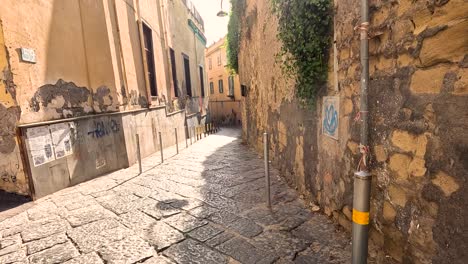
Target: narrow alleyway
x=205 y=205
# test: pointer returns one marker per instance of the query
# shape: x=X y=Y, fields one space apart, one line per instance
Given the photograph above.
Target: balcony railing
x=194 y=12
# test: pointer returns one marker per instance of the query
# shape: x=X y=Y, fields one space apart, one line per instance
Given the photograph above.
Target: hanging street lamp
x=222 y=13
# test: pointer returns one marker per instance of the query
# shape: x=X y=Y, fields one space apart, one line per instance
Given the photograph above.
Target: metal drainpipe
x=362 y=178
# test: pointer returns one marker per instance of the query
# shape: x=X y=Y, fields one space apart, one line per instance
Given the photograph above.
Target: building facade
x=418 y=129
x=80 y=78
x=223 y=86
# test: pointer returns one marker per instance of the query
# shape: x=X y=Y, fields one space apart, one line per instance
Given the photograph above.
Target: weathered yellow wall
x=6 y=98
x=222 y=106
x=418 y=122
x=129 y=34
x=12 y=177
x=89 y=61
x=59 y=55
x=182 y=40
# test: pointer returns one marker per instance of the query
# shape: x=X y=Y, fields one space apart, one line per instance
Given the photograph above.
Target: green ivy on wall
x=304 y=28
x=233 y=35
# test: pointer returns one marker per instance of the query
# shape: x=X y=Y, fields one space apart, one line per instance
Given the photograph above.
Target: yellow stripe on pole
x=361 y=218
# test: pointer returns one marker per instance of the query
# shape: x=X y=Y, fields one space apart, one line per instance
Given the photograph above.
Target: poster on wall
x=330 y=116
x=40 y=145
x=61 y=139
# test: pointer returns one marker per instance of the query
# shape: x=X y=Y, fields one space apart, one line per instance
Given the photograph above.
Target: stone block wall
x=418 y=122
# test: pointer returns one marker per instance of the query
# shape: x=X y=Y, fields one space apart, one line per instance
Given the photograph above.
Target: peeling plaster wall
x=12 y=177
x=418 y=122
x=105 y=143
x=88 y=61
x=71 y=42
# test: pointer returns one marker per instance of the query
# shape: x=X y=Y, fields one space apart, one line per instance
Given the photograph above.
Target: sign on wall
x=61 y=138
x=40 y=145
x=28 y=55
x=330 y=116
x=47 y=143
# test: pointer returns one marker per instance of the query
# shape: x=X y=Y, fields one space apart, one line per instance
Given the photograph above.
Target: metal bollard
x=176 y=141
x=186 y=139
x=267 y=168
x=361 y=206
x=190 y=135
x=161 y=146
x=138 y=152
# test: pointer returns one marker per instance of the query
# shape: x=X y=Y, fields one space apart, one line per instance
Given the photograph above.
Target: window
x=220 y=86
x=148 y=42
x=202 y=81
x=231 y=86
x=219 y=59
x=211 y=88
x=210 y=66
x=174 y=72
x=188 y=81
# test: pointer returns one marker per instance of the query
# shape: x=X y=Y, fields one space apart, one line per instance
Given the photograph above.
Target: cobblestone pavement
x=205 y=205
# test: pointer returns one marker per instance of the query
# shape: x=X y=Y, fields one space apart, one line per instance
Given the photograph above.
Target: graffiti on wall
x=330 y=116
x=8 y=177
x=102 y=128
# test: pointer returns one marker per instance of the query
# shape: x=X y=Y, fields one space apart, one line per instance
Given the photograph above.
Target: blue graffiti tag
x=102 y=129
x=330 y=121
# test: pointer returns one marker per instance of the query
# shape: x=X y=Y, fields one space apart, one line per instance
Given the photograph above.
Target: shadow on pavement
x=236 y=221
x=11 y=200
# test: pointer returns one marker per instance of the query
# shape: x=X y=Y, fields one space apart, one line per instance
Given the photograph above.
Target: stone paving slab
x=243 y=251
x=158 y=260
x=205 y=232
x=205 y=205
x=219 y=239
x=17 y=256
x=39 y=245
x=190 y=251
x=91 y=258
x=56 y=254
x=128 y=250
x=185 y=222
x=161 y=235
x=245 y=227
x=40 y=230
